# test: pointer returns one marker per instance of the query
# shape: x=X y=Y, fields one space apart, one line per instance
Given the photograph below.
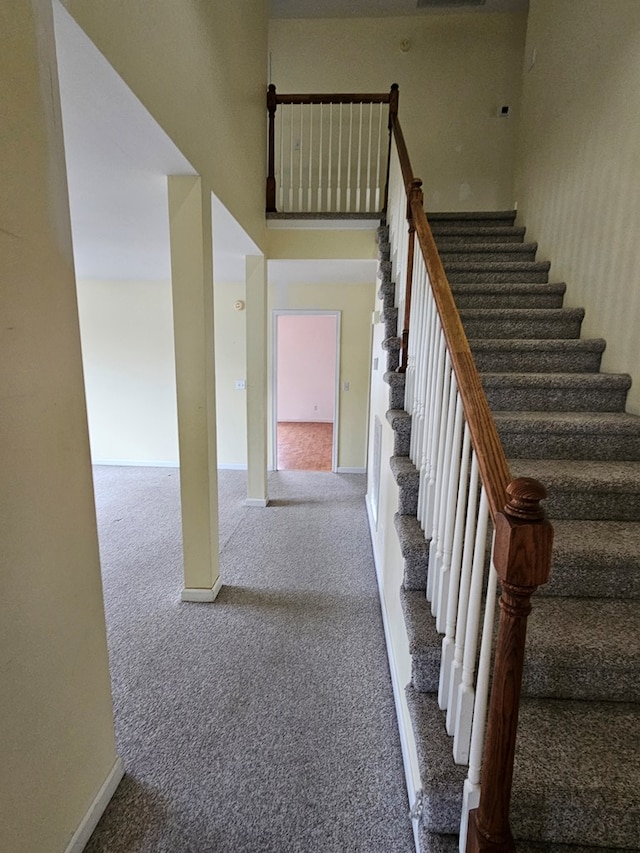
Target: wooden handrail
x=523 y=536
x=334 y=98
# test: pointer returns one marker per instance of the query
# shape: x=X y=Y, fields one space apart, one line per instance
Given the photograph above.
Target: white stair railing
x=464 y=486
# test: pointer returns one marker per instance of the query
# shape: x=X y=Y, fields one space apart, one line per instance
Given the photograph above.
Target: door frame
x=277 y=312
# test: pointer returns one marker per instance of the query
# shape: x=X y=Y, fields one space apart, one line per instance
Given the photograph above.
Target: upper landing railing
x=467 y=497
x=327 y=153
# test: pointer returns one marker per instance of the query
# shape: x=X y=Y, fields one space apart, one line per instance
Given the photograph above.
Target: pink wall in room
x=306 y=367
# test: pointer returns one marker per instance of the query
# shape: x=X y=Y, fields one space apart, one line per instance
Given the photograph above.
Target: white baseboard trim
x=407 y=740
x=351 y=470
x=262 y=502
x=231 y=467
x=137 y=463
x=202 y=595
x=96 y=809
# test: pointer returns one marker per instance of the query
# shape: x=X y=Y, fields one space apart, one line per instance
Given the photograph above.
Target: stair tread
x=496 y=266
x=445 y=229
x=522 y=313
x=583 y=648
x=508 y=287
x=574 y=422
x=557 y=380
x=576 y=773
x=535 y=344
x=579 y=474
x=595 y=558
x=516 y=248
x=446 y=216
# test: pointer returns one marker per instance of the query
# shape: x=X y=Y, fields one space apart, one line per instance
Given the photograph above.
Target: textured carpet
x=265 y=721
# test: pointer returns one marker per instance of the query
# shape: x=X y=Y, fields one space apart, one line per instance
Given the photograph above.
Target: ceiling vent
x=441 y=4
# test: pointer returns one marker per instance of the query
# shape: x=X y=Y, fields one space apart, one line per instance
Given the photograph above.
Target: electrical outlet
x=241 y=384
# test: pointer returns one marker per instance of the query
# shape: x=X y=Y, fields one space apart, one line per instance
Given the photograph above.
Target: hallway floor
x=304 y=446
x=264 y=722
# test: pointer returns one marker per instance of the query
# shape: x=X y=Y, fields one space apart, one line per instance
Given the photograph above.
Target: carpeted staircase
x=577 y=772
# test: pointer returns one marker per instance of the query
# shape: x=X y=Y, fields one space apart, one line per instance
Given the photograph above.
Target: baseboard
x=232 y=467
x=407 y=741
x=96 y=809
x=262 y=502
x=202 y=595
x=137 y=463
x=351 y=470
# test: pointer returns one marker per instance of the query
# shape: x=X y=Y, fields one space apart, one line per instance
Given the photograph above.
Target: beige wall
x=459 y=70
x=129 y=369
x=56 y=731
x=200 y=69
x=578 y=168
x=231 y=365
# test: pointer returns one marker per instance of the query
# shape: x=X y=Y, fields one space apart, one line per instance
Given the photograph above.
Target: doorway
x=306 y=373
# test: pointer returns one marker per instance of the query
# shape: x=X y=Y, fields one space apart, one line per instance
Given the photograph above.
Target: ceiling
x=382 y=8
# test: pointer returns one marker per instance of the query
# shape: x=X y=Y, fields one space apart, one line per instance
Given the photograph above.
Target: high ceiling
x=382 y=8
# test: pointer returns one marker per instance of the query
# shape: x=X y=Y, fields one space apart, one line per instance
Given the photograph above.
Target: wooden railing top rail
x=332 y=98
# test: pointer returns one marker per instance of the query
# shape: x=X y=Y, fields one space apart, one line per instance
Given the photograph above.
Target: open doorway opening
x=306 y=370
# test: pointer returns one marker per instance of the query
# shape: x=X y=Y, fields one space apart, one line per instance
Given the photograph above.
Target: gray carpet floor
x=264 y=721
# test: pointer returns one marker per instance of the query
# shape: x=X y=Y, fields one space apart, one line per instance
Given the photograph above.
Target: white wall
x=306 y=369
x=578 y=165
x=231 y=365
x=459 y=71
x=127 y=347
x=56 y=721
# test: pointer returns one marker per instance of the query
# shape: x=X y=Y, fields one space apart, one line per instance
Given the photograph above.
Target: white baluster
x=321 y=130
x=339 y=175
x=448 y=642
x=464 y=711
x=368 y=172
x=300 y=159
x=439 y=480
x=348 y=204
x=329 y=191
x=377 y=200
x=463 y=596
x=448 y=502
x=432 y=417
x=310 y=182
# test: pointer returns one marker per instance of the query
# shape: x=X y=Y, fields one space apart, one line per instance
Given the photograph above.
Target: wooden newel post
x=271 y=171
x=522 y=557
x=415 y=194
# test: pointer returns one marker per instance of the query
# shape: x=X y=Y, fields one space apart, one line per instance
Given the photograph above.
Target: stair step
x=575 y=392
x=600 y=559
x=529 y=271
x=537 y=323
x=467 y=218
x=502 y=355
x=570 y=435
x=400 y=422
x=451 y=233
x=407 y=478
x=425 y=643
x=392 y=348
x=583 y=648
x=576 y=775
x=396 y=382
x=434 y=842
x=508 y=295
x=415 y=551
x=585 y=490
x=486 y=252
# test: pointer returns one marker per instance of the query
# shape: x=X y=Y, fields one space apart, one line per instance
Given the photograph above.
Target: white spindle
x=300 y=158
x=339 y=171
x=348 y=199
x=455 y=677
x=432 y=421
x=330 y=147
x=368 y=187
x=377 y=201
x=358 y=171
x=449 y=495
x=464 y=710
x=441 y=480
x=448 y=642
x=310 y=181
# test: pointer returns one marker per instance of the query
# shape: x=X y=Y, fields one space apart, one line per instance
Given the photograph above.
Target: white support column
x=256 y=290
x=192 y=285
